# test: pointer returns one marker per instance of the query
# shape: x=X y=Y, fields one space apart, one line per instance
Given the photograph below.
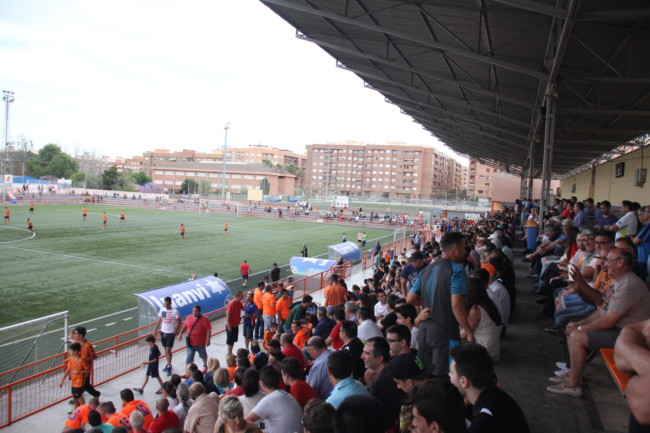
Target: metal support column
x=531 y=169
x=549 y=132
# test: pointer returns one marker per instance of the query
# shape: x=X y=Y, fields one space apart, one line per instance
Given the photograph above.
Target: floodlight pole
x=7 y=98
x=226 y=127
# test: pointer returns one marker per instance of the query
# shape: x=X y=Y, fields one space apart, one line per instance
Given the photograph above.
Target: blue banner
x=210 y=293
x=349 y=251
x=309 y=265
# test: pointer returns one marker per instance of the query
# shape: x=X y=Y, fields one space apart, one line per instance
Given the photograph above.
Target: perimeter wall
x=606 y=186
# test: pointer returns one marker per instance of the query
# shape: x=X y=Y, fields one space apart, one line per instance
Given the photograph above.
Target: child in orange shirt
x=76 y=368
x=268 y=335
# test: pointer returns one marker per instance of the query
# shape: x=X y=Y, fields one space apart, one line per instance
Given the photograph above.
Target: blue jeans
x=191 y=350
x=259 y=328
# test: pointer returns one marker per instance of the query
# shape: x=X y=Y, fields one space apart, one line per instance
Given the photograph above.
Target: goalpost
x=399 y=233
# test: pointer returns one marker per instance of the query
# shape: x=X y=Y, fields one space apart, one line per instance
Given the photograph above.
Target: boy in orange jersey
x=129 y=404
x=30 y=226
x=225 y=228
x=122 y=217
x=78 y=419
x=301 y=334
x=182 y=232
x=268 y=335
x=104 y=219
x=31 y=208
x=76 y=368
x=7 y=215
x=88 y=355
x=114 y=418
x=84 y=213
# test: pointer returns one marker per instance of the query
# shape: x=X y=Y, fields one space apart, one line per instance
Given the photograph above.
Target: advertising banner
x=210 y=293
x=349 y=251
x=309 y=265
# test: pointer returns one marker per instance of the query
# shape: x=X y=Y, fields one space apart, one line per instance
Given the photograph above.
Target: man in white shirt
x=627 y=225
x=169 y=322
x=367 y=327
x=279 y=410
x=381 y=307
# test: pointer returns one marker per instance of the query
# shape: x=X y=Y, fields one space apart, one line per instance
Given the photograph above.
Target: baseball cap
x=490 y=268
x=330 y=309
x=408 y=366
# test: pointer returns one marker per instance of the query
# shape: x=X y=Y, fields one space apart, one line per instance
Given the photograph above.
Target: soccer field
x=78 y=266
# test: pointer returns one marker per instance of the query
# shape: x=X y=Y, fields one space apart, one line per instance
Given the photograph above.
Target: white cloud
x=123 y=77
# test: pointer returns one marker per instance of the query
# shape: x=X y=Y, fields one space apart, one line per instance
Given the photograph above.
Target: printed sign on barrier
x=210 y=293
x=309 y=265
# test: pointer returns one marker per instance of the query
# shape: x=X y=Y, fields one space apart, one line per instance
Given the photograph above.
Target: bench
x=619 y=377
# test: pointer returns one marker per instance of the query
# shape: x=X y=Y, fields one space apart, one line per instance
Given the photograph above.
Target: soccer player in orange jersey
x=225 y=228
x=30 y=226
x=104 y=219
x=7 y=215
x=182 y=232
x=84 y=213
x=76 y=368
x=122 y=217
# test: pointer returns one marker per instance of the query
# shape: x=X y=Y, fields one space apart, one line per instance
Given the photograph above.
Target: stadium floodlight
x=226 y=127
x=7 y=98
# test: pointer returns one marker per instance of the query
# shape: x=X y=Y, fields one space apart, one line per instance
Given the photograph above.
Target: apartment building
x=371 y=170
x=238 y=177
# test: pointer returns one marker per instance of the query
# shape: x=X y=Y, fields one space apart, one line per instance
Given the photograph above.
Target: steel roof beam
x=451 y=100
x=425 y=73
x=596 y=143
x=461 y=119
x=605 y=112
x=406 y=36
x=432 y=119
x=537 y=7
x=615 y=15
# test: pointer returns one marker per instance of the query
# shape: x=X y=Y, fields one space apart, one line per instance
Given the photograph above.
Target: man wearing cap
x=408 y=370
x=339 y=370
x=497 y=291
x=441 y=286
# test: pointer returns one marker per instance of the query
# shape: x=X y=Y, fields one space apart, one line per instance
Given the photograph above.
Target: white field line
x=95 y=260
x=18 y=240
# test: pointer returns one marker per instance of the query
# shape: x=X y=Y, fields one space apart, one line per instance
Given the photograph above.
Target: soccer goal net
x=31 y=341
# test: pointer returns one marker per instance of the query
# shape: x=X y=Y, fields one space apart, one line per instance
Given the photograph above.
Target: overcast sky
x=121 y=77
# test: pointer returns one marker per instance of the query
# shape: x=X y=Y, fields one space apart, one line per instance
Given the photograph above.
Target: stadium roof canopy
x=479 y=74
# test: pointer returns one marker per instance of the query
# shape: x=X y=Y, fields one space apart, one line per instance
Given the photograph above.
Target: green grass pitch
x=90 y=271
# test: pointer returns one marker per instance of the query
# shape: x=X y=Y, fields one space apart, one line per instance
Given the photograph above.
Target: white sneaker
x=560 y=365
x=561 y=372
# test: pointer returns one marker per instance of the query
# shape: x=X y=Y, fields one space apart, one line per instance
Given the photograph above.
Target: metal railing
x=116 y=356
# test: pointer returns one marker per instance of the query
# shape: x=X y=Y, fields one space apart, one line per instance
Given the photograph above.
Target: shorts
x=602 y=339
x=122 y=218
x=76 y=392
x=29 y=227
x=84 y=215
x=244 y=277
x=167 y=340
x=191 y=350
x=248 y=331
x=152 y=370
x=232 y=335
x=182 y=233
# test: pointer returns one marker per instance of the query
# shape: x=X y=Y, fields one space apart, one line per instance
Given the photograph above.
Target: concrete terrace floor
x=527 y=360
